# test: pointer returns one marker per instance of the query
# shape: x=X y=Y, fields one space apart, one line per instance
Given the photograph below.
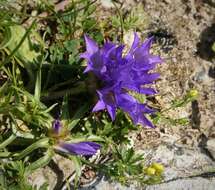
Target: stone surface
x=107 y=4
x=181 y=161
x=197 y=183
x=183 y=168
x=104 y=184
x=211 y=147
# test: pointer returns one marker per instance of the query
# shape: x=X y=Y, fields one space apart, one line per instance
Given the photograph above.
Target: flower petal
x=147 y=43
x=144 y=121
x=133 y=46
x=92 y=47
x=100 y=105
x=56 y=126
x=135 y=42
x=112 y=111
x=82 y=148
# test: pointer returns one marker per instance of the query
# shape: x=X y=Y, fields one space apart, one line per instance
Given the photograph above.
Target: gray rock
x=197 y=183
x=202 y=76
x=107 y=4
x=182 y=171
x=211 y=147
x=107 y=185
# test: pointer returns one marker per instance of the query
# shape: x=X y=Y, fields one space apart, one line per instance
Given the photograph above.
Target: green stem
x=4 y=154
x=8 y=141
x=73 y=26
x=174 y=106
x=42 y=143
x=97 y=166
x=87 y=138
x=121 y=21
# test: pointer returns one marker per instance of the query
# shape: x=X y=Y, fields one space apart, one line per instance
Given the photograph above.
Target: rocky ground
x=187 y=151
x=184 y=31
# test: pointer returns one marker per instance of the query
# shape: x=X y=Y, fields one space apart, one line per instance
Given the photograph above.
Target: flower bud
x=193 y=93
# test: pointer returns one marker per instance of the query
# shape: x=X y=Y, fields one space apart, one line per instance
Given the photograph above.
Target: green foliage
x=135 y=19
x=15 y=172
x=25 y=52
x=161 y=117
x=128 y=167
x=125 y=163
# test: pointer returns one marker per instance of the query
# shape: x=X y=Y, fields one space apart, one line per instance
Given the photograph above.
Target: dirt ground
x=185 y=31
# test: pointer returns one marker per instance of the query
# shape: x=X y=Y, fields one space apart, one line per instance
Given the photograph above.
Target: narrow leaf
x=41 y=162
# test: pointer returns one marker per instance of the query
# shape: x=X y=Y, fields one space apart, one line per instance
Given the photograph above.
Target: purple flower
x=81 y=148
x=121 y=74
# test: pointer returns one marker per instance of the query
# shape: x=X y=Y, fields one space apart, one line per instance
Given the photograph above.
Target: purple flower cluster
x=121 y=74
x=81 y=148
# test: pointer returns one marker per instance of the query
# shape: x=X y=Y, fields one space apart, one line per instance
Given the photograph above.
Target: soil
x=185 y=32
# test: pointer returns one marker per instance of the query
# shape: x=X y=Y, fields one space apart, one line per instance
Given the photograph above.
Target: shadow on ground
x=204 y=47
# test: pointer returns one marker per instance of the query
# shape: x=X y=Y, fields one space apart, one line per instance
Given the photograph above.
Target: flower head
x=81 y=148
x=121 y=74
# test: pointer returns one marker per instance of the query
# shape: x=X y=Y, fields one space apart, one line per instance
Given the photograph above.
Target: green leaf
x=157 y=118
x=213 y=47
x=4 y=154
x=20 y=44
x=129 y=155
x=87 y=138
x=42 y=143
x=78 y=168
x=3 y=184
x=140 y=97
x=72 y=45
x=7 y=38
x=41 y=162
x=8 y=141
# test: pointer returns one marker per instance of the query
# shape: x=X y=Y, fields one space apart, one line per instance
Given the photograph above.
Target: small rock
x=211 y=147
x=54 y=174
x=201 y=76
x=107 y=4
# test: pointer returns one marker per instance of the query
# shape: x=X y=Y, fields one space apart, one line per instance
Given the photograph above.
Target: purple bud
x=56 y=126
x=82 y=148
